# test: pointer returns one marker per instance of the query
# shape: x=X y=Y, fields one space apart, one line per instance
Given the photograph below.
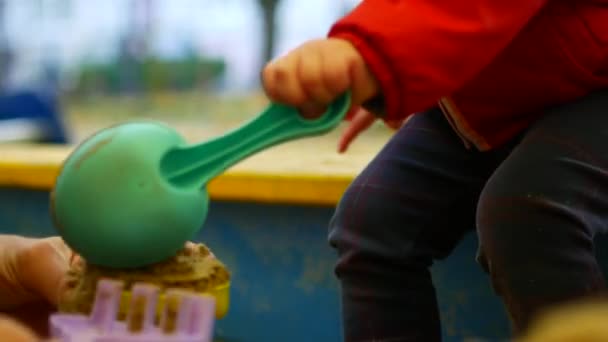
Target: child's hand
x=314 y=74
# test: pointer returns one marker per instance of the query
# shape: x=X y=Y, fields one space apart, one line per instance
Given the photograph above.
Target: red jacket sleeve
x=422 y=50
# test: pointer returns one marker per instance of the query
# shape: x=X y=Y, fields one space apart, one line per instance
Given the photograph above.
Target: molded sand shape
x=193 y=268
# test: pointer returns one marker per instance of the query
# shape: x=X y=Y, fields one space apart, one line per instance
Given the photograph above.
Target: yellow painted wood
x=304 y=189
x=274 y=176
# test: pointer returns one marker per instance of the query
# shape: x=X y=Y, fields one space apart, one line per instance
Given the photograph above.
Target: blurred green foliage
x=149 y=74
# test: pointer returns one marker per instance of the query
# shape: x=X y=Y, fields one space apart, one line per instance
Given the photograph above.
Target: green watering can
x=133 y=194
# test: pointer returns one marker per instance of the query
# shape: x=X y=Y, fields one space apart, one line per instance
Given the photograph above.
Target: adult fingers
x=42 y=266
x=11 y=330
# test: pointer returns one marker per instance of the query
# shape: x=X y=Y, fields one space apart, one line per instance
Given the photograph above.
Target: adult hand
x=32 y=273
x=12 y=330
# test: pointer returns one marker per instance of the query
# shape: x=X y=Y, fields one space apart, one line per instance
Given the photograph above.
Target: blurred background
x=69 y=67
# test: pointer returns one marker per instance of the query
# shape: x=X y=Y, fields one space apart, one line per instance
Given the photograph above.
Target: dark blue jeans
x=536 y=204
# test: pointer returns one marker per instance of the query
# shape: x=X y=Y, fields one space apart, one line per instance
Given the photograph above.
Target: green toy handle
x=196 y=165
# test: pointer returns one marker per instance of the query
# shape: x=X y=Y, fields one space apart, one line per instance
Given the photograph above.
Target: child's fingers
x=335 y=72
x=268 y=83
x=312 y=110
x=310 y=74
x=282 y=82
x=364 y=84
x=271 y=77
x=360 y=122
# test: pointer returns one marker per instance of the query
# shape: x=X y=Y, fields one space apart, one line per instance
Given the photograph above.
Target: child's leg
x=411 y=205
x=539 y=212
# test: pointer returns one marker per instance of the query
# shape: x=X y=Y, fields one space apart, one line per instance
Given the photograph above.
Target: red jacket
x=492 y=65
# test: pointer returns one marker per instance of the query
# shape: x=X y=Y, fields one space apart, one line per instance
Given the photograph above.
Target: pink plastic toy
x=186 y=317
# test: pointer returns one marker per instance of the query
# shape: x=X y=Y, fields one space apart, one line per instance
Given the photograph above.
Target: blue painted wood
x=283 y=283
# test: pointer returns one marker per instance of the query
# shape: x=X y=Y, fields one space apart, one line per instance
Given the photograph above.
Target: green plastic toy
x=133 y=194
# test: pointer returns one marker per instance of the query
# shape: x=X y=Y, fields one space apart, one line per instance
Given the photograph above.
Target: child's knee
x=349 y=231
x=513 y=224
x=369 y=228
x=518 y=210
x=536 y=248
x=353 y=218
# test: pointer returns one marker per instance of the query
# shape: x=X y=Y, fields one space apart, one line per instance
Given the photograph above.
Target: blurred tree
x=6 y=53
x=134 y=46
x=269 y=10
